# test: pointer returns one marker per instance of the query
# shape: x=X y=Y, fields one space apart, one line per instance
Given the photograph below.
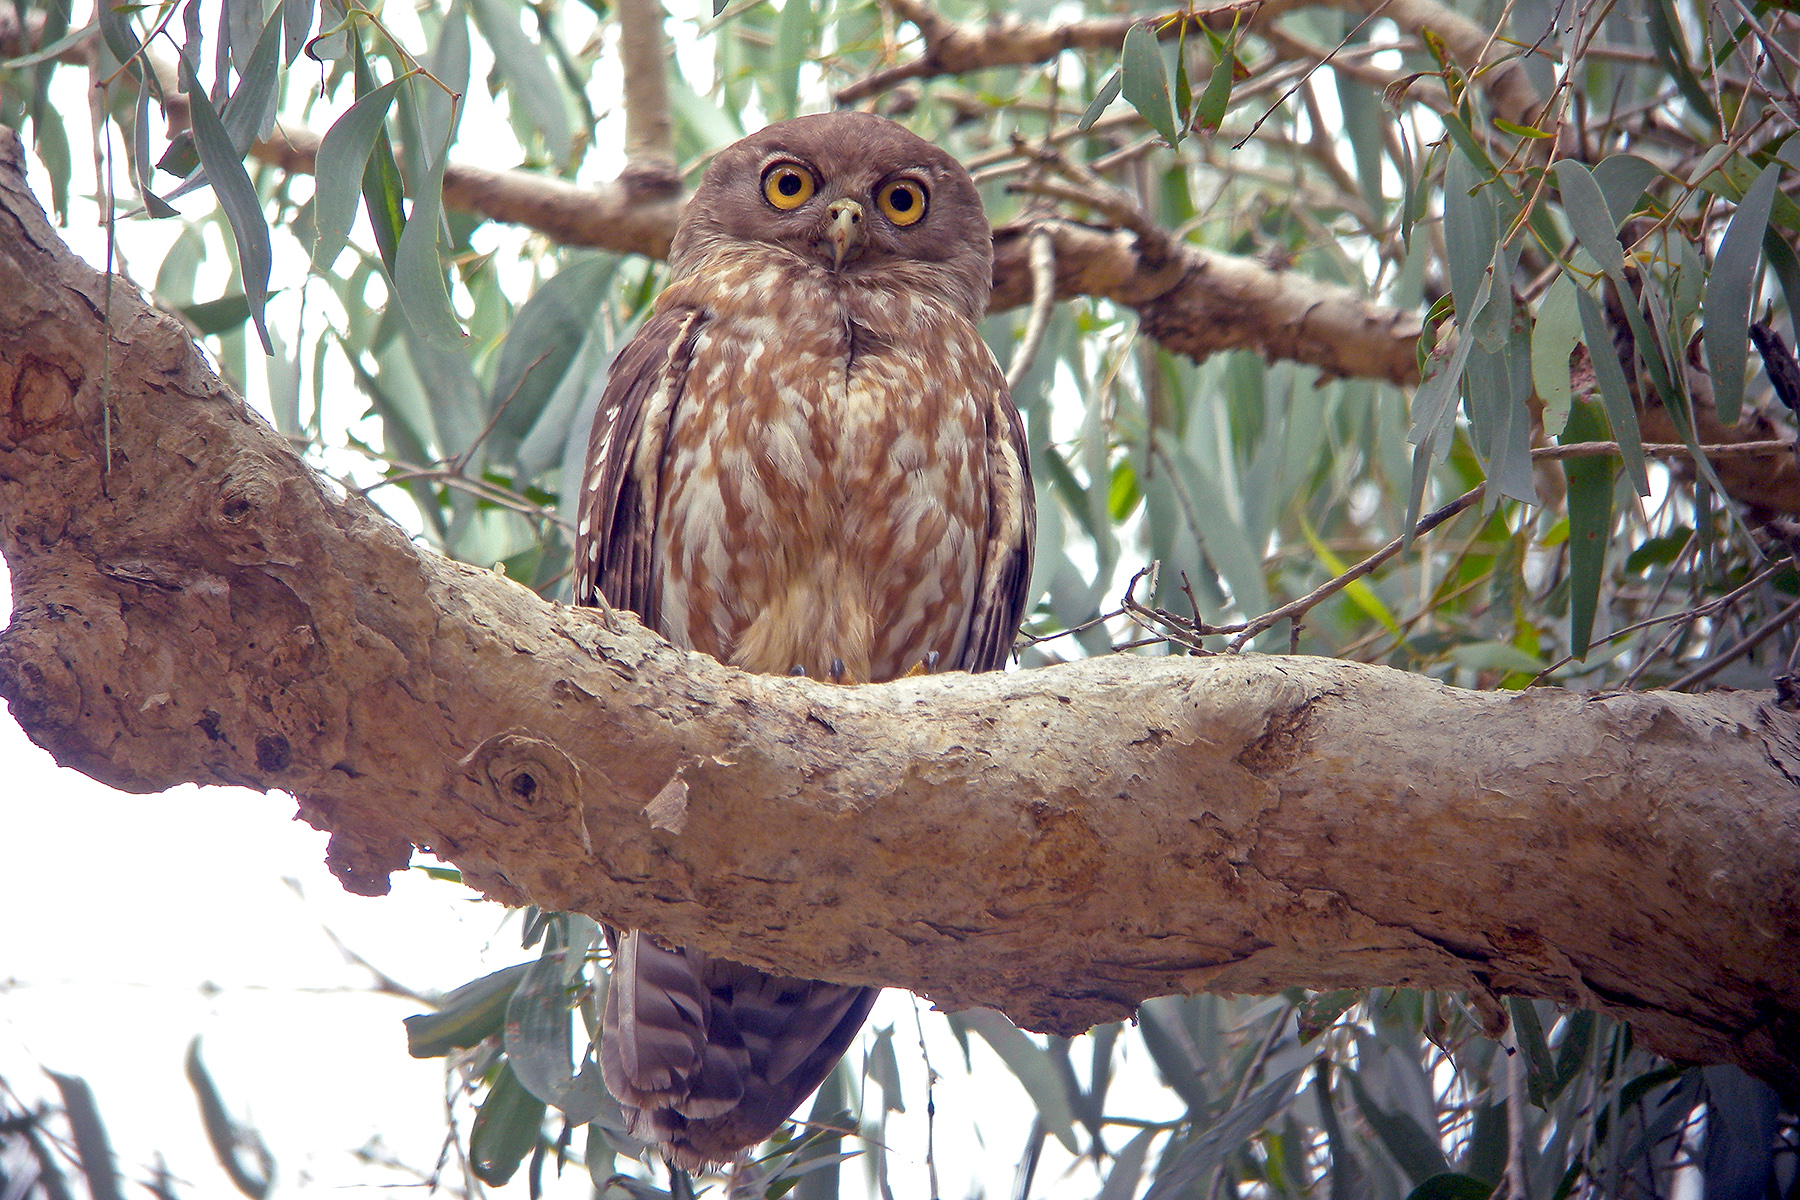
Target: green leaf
x=466 y=1017
x=237 y=197
x=1417 y=1151
x=93 y=1149
x=1729 y=294
x=217 y=316
x=793 y=34
x=546 y=335
x=1146 y=83
x=1615 y=396
x=1451 y=1186
x=1540 y=1068
x=1554 y=335
x=1209 y=111
x=884 y=1068
x=1622 y=179
x=531 y=85
x=1159 y=1024
x=1494 y=656
x=1585 y=206
x=52 y=50
x=231 y=1142
x=1590 y=493
x=1109 y=91
x=418 y=269
x=538 y=1043
x=340 y=168
x=506 y=1129
x=1671 y=51
x=296 y=24
x=141 y=166
x=384 y=195
x=1659 y=551
x=1517 y=130
x=1124 y=495
x=1031 y=1065
x=1195 y=1162
x=1128 y=1167
x=1357 y=591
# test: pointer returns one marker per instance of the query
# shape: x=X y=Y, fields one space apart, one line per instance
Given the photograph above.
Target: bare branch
x=624 y=216
x=952 y=48
x=649 y=129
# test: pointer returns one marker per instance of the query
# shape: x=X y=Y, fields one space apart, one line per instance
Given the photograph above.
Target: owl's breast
x=824 y=494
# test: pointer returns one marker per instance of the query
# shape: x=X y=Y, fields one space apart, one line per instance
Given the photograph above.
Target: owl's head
x=849 y=193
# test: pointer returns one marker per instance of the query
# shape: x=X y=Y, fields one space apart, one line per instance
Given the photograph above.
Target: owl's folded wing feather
x=616 y=534
x=1012 y=536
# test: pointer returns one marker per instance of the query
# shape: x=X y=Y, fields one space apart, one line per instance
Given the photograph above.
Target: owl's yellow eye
x=902 y=201
x=787 y=186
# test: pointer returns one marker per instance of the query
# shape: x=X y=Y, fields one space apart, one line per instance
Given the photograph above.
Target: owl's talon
x=797 y=669
x=837 y=670
x=931 y=661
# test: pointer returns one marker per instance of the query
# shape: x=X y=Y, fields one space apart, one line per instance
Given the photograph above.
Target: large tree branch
x=193 y=604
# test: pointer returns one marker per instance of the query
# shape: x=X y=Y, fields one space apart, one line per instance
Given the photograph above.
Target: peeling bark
x=193 y=604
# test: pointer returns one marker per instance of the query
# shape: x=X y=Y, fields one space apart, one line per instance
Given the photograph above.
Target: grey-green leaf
x=1197 y=1159
x=1554 y=335
x=1727 y=325
x=465 y=1017
x=1585 y=206
x=530 y=82
x=1029 y=1062
x=1109 y=91
x=237 y=196
x=1146 y=83
x=418 y=270
x=1615 y=395
x=505 y=1129
x=339 y=165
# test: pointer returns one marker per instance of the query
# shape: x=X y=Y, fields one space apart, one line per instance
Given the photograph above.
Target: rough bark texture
x=193 y=604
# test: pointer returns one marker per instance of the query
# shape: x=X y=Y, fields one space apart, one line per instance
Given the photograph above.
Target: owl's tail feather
x=707 y=1056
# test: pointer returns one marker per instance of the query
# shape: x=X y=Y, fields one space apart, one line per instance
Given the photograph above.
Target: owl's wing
x=1012 y=536
x=616 y=534
x=708 y=1056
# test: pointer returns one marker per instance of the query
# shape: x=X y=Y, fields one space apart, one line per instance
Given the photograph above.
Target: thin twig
x=1332 y=586
x=1750 y=641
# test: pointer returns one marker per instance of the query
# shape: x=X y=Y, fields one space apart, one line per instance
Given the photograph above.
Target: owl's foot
x=797 y=669
x=925 y=666
x=836 y=670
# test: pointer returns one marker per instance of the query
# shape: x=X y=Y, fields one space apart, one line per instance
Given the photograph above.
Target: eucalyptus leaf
x=237 y=197
x=1729 y=294
x=1195 y=1162
x=339 y=168
x=1146 y=81
x=1031 y=1065
x=1555 y=333
x=418 y=269
x=505 y=1130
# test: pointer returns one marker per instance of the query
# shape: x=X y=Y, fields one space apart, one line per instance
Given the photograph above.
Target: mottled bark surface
x=193 y=604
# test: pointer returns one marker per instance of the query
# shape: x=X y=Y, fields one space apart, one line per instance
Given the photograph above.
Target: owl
x=806 y=462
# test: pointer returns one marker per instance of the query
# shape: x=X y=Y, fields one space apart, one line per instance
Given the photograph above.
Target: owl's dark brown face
x=850 y=194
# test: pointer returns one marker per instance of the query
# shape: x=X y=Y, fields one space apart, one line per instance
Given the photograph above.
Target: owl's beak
x=845 y=231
